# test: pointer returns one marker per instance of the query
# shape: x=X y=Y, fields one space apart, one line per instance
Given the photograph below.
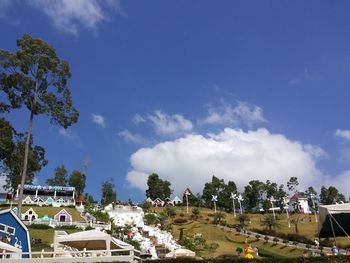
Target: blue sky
x=241 y=89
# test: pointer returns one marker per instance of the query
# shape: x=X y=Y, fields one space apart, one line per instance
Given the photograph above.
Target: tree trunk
x=25 y=163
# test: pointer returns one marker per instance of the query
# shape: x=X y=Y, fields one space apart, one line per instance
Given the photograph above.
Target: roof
x=92 y=239
x=298 y=196
x=15 y=216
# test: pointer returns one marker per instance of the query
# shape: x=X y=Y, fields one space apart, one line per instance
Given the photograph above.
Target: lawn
x=228 y=241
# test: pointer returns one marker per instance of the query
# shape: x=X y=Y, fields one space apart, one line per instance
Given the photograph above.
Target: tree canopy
x=109 y=195
x=34 y=77
x=158 y=187
x=60 y=177
x=78 y=180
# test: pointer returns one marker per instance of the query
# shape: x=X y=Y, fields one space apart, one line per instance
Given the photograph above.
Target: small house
x=27 y=201
x=168 y=202
x=299 y=203
x=63 y=216
x=158 y=202
x=29 y=215
x=177 y=201
x=14 y=232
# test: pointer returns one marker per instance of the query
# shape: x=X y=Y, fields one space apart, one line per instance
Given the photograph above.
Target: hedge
x=333 y=259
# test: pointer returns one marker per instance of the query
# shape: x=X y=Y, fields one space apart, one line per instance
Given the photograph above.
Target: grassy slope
x=228 y=241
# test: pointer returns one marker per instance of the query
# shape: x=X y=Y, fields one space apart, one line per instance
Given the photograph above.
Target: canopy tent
x=91 y=240
x=181 y=252
x=334 y=220
x=4 y=247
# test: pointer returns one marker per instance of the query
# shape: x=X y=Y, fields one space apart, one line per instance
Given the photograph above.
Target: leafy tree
x=78 y=180
x=158 y=187
x=252 y=193
x=331 y=195
x=292 y=184
x=195 y=213
x=60 y=177
x=151 y=219
x=108 y=193
x=243 y=218
x=225 y=200
x=270 y=222
x=35 y=77
x=12 y=154
x=215 y=187
x=312 y=198
x=218 y=217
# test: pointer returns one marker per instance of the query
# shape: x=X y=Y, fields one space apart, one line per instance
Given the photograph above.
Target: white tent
x=334 y=220
x=91 y=240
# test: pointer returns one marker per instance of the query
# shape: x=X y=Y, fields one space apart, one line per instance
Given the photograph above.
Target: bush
x=39 y=226
x=275 y=240
x=266 y=238
x=150 y=219
x=291 y=237
x=180 y=221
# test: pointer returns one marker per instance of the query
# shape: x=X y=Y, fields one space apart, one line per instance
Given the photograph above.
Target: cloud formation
x=4 y=7
x=243 y=113
x=130 y=137
x=344 y=134
x=66 y=133
x=169 y=124
x=137 y=119
x=69 y=16
x=232 y=154
x=99 y=120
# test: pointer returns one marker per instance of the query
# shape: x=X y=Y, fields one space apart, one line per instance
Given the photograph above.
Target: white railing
x=62 y=224
x=113 y=255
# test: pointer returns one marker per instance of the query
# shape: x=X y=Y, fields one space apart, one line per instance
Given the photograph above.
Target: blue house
x=14 y=231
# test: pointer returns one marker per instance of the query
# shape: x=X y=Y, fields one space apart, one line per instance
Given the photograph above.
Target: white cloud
x=137 y=119
x=130 y=137
x=344 y=134
x=66 y=133
x=70 y=15
x=99 y=120
x=316 y=151
x=242 y=113
x=233 y=154
x=170 y=124
x=4 y=7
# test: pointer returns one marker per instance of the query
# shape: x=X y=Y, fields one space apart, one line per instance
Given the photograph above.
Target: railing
x=113 y=255
x=53 y=223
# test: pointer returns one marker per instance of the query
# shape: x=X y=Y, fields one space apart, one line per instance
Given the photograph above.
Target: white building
x=298 y=203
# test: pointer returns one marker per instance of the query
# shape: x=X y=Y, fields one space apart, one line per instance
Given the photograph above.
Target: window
x=10 y=230
x=2 y=227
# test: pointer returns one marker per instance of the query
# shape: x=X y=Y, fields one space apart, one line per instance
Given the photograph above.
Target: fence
x=54 y=223
x=113 y=255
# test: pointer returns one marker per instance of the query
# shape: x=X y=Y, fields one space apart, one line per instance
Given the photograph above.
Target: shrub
x=275 y=240
x=39 y=226
x=171 y=211
x=266 y=238
x=180 y=220
x=257 y=236
x=150 y=219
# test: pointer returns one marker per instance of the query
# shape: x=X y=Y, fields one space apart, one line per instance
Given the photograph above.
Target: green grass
x=46 y=236
x=227 y=240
